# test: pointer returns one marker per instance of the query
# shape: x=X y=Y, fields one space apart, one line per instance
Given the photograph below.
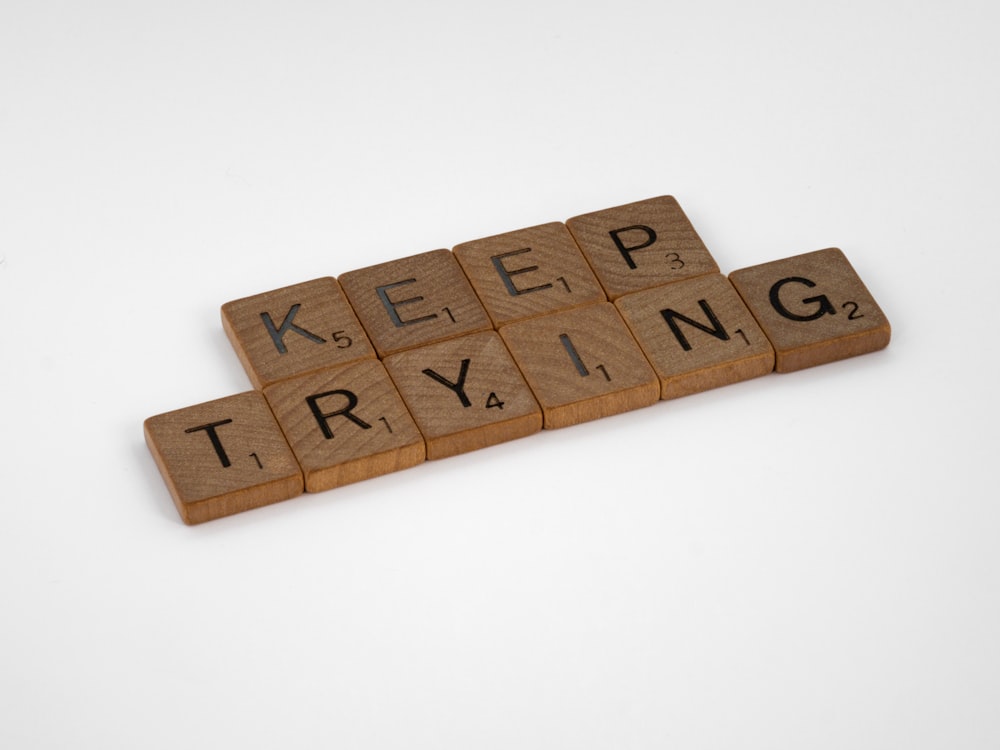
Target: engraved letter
x=390 y=305
x=214 y=437
x=323 y=419
x=574 y=355
x=458 y=387
x=278 y=334
x=824 y=305
x=627 y=251
x=505 y=273
x=715 y=329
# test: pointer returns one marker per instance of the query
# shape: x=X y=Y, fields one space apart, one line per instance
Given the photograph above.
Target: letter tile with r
x=529 y=272
x=346 y=424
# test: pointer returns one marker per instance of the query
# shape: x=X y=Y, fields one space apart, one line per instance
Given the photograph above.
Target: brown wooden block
x=414 y=301
x=697 y=334
x=641 y=245
x=581 y=364
x=223 y=457
x=294 y=330
x=465 y=394
x=529 y=272
x=814 y=308
x=346 y=424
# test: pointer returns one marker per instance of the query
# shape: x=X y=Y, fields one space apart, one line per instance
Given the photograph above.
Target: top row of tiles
x=629 y=248
x=426 y=298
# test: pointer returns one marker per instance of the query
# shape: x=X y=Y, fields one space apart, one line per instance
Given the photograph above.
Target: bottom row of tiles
x=332 y=427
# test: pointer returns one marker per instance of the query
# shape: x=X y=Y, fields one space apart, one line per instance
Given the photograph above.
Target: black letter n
x=715 y=329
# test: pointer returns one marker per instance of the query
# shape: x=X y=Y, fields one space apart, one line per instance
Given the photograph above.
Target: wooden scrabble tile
x=294 y=330
x=641 y=245
x=414 y=301
x=529 y=272
x=697 y=334
x=581 y=364
x=465 y=394
x=346 y=424
x=223 y=457
x=814 y=308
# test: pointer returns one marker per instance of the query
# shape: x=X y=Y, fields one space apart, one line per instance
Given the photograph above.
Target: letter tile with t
x=346 y=424
x=414 y=301
x=581 y=364
x=529 y=272
x=294 y=330
x=697 y=334
x=465 y=394
x=223 y=457
x=641 y=245
x=814 y=308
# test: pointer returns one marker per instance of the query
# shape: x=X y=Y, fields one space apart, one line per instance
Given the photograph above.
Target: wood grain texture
x=399 y=362
x=581 y=364
x=223 y=457
x=294 y=330
x=465 y=394
x=641 y=245
x=697 y=334
x=529 y=272
x=814 y=308
x=346 y=424
x=414 y=301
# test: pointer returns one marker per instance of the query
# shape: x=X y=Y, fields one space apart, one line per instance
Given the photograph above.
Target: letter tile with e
x=414 y=301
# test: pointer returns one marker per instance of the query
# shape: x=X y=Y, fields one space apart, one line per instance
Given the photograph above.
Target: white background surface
x=802 y=561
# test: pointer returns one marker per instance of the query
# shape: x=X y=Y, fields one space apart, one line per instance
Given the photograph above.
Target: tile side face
x=814 y=308
x=641 y=245
x=223 y=457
